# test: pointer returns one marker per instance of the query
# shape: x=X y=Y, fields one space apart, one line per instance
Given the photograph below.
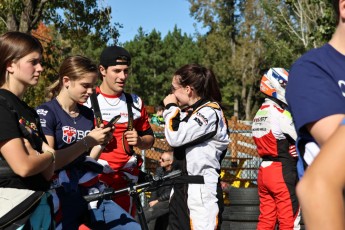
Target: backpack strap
x=96 y=109
x=129 y=102
x=129 y=148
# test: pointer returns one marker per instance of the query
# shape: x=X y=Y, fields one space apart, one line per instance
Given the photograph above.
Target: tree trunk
x=11 y=22
x=236 y=107
x=25 y=18
x=248 y=103
x=29 y=17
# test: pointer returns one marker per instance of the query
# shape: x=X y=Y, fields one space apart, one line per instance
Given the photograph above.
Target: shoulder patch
x=42 y=112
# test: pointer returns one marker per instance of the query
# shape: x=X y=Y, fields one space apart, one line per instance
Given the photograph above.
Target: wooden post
x=234 y=139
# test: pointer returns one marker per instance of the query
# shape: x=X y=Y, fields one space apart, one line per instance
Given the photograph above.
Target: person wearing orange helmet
x=274 y=134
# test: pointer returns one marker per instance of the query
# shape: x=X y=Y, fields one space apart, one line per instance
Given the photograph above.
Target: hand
x=153 y=203
x=171 y=98
x=109 y=135
x=100 y=135
x=292 y=151
x=108 y=138
x=132 y=137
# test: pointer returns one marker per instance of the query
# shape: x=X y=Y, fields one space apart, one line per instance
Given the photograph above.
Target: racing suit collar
x=198 y=104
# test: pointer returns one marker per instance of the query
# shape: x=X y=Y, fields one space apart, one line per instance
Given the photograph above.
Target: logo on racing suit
x=69 y=134
x=259 y=119
x=198 y=121
x=201 y=118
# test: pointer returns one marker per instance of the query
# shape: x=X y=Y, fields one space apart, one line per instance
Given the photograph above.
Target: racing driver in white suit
x=274 y=134
x=200 y=139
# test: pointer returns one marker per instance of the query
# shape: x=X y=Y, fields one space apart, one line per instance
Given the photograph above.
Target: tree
x=310 y=22
x=21 y=15
x=145 y=50
x=80 y=19
x=154 y=61
x=245 y=38
x=51 y=59
x=228 y=51
x=74 y=19
x=75 y=27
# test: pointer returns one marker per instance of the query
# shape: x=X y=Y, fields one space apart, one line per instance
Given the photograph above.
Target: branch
x=3 y=20
x=290 y=26
x=38 y=13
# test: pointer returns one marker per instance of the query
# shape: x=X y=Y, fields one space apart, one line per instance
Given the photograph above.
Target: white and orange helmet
x=273 y=83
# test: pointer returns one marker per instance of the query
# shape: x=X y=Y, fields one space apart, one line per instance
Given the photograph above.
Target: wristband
x=101 y=147
x=52 y=154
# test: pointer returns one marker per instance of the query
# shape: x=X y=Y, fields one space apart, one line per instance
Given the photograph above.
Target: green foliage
x=78 y=19
x=76 y=27
x=155 y=60
x=245 y=38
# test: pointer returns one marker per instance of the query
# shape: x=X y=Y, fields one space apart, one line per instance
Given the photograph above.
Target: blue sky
x=162 y=15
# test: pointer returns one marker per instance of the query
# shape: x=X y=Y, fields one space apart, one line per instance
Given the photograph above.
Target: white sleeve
x=201 y=125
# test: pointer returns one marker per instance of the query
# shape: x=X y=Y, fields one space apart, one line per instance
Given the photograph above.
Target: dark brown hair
x=201 y=79
x=14 y=46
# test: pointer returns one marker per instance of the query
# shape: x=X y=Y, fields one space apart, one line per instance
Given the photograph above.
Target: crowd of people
x=81 y=142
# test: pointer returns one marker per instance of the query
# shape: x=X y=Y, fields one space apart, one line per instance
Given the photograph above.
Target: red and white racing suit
x=126 y=168
x=199 y=139
x=274 y=134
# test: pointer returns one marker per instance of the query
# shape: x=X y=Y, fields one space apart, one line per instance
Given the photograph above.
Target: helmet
x=273 y=83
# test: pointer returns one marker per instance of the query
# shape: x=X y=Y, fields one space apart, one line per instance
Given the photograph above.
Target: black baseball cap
x=111 y=54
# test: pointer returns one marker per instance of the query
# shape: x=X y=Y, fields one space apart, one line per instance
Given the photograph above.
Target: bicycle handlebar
x=155 y=181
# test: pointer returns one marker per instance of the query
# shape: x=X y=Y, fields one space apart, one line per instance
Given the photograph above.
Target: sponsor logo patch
x=42 y=112
x=202 y=118
x=198 y=121
x=43 y=122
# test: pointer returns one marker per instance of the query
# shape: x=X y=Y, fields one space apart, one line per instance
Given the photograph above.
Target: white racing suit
x=200 y=140
x=274 y=134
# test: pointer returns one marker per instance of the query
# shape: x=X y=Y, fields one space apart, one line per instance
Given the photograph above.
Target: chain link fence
x=240 y=165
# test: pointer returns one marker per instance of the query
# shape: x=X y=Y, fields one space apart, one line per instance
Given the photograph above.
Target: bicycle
x=134 y=191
